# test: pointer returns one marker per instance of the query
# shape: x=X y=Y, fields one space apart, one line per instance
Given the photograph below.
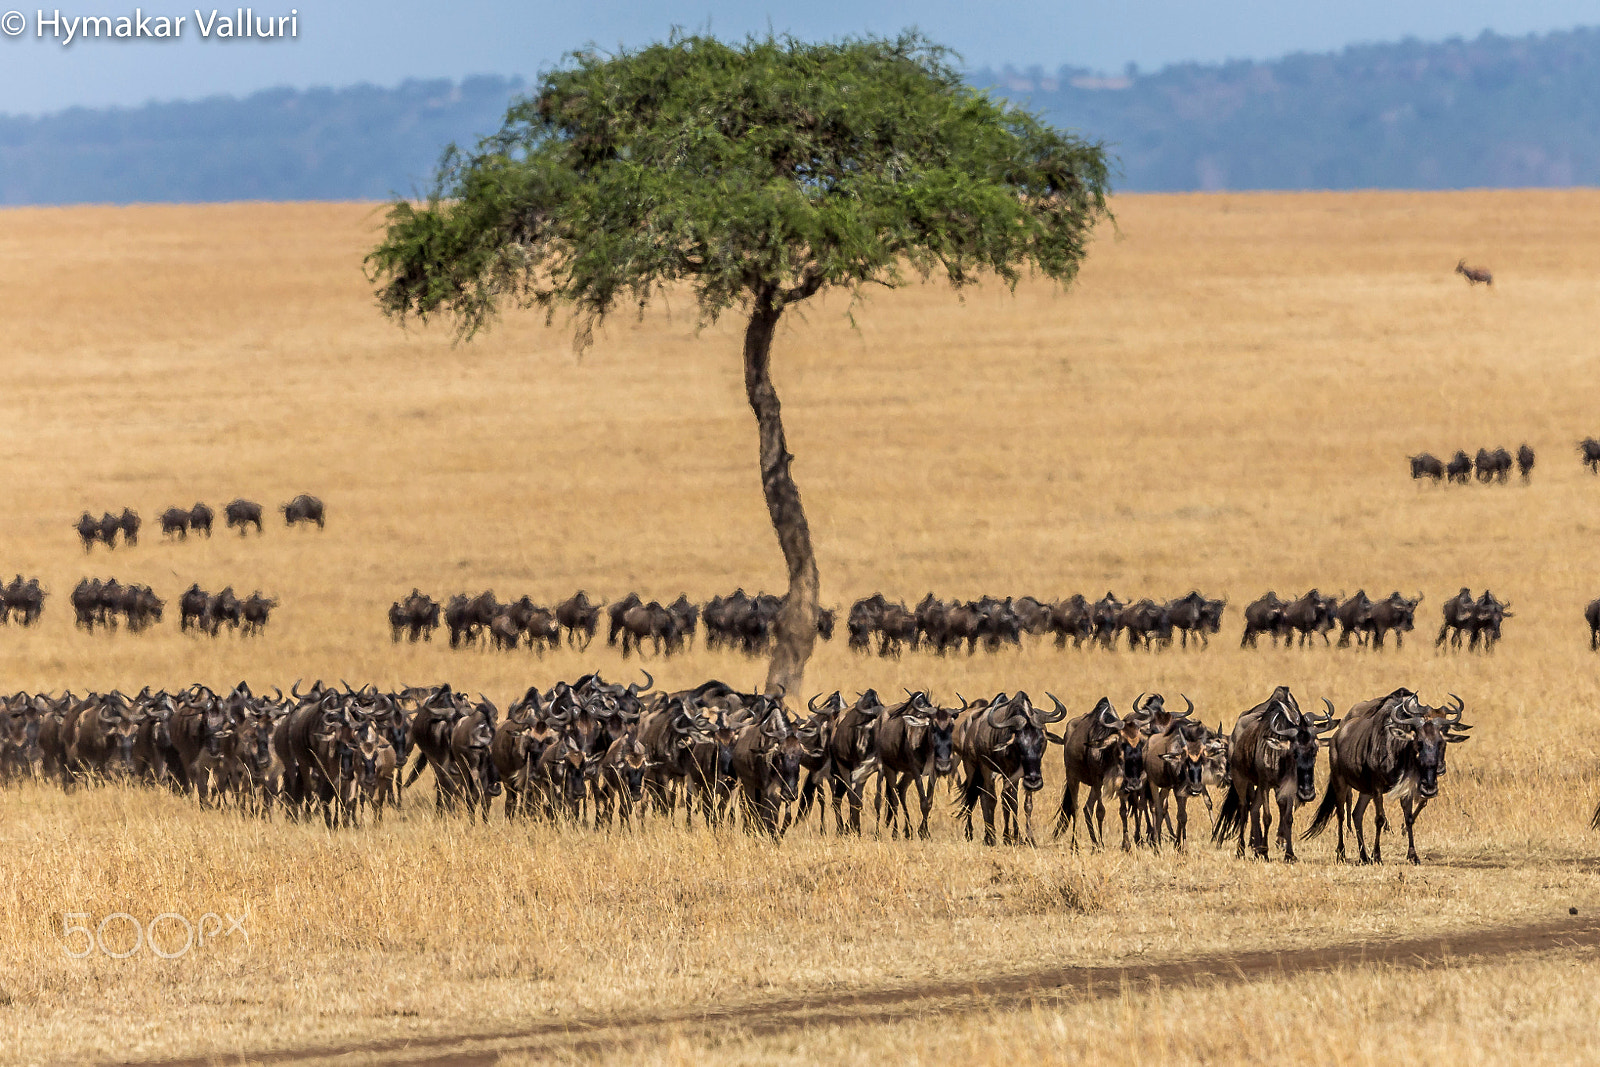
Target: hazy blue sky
x=386 y=41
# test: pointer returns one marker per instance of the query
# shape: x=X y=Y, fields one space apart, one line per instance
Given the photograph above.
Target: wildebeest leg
x=1411 y=820
x=1380 y=823
x=1011 y=827
x=1027 y=817
x=1122 y=809
x=925 y=784
x=1286 y=802
x=1438 y=642
x=1094 y=817
x=1356 y=817
x=986 y=797
x=1067 y=809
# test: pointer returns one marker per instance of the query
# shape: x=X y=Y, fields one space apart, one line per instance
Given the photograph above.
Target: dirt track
x=603 y=1033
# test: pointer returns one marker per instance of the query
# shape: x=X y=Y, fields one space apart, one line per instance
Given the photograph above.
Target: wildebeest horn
x=997 y=706
x=1136 y=705
x=1106 y=715
x=635 y=688
x=1056 y=715
x=811 y=705
x=1188 y=711
x=294 y=690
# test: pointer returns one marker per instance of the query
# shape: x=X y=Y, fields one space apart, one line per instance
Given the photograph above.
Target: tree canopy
x=763 y=171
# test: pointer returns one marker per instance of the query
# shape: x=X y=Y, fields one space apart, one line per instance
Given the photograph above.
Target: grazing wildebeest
x=255 y=610
x=1264 y=616
x=1589 y=451
x=913 y=744
x=242 y=513
x=1459 y=469
x=580 y=619
x=175 y=521
x=1393 y=613
x=1002 y=744
x=1474 y=275
x=303 y=508
x=1355 y=617
x=1525 y=461
x=200 y=517
x=192 y=606
x=1272 y=753
x=1427 y=465
x=1391 y=747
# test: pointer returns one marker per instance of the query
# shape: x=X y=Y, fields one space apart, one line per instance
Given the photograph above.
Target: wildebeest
x=1459 y=469
x=242 y=513
x=1355 y=618
x=1181 y=762
x=255 y=610
x=1393 y=613
x=1310 y=614
x=200 y=517
x=129 y=524
x=1272 y=754
x=24 y=598
x=1089 y=752
x=88 y=530
x=1146 y=623
x=1589 y=452
x=766 y=760
x=1392 y=747
x=1264 y=616
x=1488 y=613
x=1591 y=615
x=1002 y=744
x=913 y=744
x=225 y=607
x=175 y=521
x=1459 y=618
x=852 y=754
x=467 y=617
x=1493 y=465
x=1071 y=618
x=1105 y=616
x=1427 y=465
x=303 y=508
x=1193 y=613
x=579 y=619
x=192 y=606
x=1474 y=275
x=415 y=616
x=1525 y=461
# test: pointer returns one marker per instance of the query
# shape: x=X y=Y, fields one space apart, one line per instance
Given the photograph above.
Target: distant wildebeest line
x=177 y=522
x=1474 y=275
x=1361 y=620
x=207 y=613
x=1489 y=465
x=98 y=603
x=595 y=754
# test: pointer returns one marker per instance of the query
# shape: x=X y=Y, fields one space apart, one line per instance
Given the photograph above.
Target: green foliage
x=759 y=174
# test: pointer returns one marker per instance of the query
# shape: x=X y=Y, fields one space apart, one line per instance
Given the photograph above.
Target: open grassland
x=1224 y=402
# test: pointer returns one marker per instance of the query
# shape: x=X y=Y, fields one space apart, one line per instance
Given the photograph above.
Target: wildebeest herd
x=99 y=603
x=176 y=522
x=889 y=628
x=599 y=753
x=208 y=613
x=1489 y=466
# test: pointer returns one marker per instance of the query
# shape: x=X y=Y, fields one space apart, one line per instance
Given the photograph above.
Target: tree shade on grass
x=759 y=175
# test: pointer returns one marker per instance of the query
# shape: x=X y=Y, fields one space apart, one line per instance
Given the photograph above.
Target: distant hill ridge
x=1493 y=111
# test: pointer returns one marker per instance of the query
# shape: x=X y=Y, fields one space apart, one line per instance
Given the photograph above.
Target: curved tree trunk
x=796 y=633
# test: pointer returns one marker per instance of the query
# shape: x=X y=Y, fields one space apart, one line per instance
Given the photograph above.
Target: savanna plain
x=1224 y=401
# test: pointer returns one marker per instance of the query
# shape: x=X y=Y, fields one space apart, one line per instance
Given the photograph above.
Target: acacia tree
x=758 y=175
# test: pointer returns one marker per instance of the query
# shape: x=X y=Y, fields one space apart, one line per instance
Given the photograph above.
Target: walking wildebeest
x=1393 y=613
x=1311 y=614
x=241 y=513
x=200 y=517
x=1460 y=615
x=1090 y=749
x=1355 y=617
x=1264 y=616
x=1272 y=753
x=1459 y=469
x=913 y=744
x=1589 y=452
x=579 y=617
x=1427 y=465
x=1474 y=275
x=1525 y=461
x=255 y=610
x=129 y=524
x=303 y=508
x=88 y=530
x=1392 y=747
x=175 y=521
x=1002 y=744
x=192 y=607
x=766 y=760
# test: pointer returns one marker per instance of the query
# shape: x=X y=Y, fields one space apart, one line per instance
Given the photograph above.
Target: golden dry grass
x=1224 y=402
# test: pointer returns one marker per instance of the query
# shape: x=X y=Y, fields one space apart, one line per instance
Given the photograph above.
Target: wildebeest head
x=1019 y=732
x=1130 y=758
x=1427 y=731
x=1293 y=732
x=1187 y=765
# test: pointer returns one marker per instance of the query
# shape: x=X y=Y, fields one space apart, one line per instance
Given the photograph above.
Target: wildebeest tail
x=1325 y=813
x=971 y=790
x=1230 y=820
x=1594 y=823
x=1067 y=810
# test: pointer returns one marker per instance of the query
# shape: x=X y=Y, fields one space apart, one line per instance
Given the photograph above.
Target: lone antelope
x=1474 y=275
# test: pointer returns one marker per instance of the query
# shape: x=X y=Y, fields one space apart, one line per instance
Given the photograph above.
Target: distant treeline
x=1494 y=111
